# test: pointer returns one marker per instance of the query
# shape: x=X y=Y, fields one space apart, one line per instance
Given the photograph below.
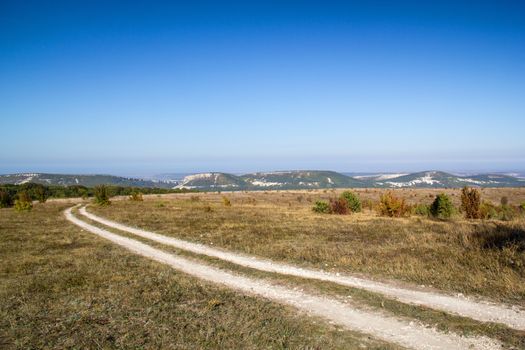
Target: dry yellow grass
x=62 y=288
x=473 y=257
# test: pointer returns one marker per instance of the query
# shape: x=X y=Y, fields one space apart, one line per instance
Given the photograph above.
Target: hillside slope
x=84 y=180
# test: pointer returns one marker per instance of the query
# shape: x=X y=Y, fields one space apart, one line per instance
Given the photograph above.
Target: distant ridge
x=82 y=180
x=315 y=179
x=277 y=180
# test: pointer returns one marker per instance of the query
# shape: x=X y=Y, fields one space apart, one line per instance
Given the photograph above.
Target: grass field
x=61 y=287
x=485 y=258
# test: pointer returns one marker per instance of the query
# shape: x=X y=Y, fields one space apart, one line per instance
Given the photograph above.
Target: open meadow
x=62 y=286
x=485 y=257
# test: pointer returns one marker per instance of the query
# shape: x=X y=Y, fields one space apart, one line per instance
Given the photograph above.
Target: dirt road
x=381 y=326
x=476 y=309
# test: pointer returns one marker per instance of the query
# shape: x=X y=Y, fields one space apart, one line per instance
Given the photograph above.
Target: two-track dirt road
x=377 y=324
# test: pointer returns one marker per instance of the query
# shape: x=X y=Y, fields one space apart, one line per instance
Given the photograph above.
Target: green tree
x=442 y=207
x=101 y=195
x=6 y=198
x=41 y=193
x=321 y=207
x=352 y=200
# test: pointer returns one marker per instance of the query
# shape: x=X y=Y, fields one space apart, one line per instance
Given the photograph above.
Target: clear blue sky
x=145 y=87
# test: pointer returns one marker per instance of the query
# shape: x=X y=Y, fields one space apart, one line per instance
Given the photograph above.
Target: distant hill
x=212 y=181
x=279 y=180
x=84 y=180
x=437 y=179
x=300 y=179
x=315 y=179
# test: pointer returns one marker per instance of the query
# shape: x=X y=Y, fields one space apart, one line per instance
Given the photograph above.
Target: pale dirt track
x=476 y=309
x=388 y=328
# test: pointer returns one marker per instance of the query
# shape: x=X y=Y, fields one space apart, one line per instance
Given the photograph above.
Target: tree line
x=28 y=192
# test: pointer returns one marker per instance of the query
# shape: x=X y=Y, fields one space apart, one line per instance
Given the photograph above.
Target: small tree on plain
x=352 y=200
x=392 y=206
x=321 y=207
x=136 y=196
x=6 y=199
x=24 y=202
x=442 y=207
x=470 y=202
x=41 y=193
x=338 y=206
x=101 y=195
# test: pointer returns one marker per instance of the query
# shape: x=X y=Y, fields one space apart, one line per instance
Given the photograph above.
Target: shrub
x=470 y=202
x=41 y=193
x=352 y=201
x=195 y=198
x=338 y=206
x=507 y=213
x=24 y=202
x=442 y=207
x=136 y=196
x=421 y=210
x=504 y=200
x=491 y=211
x=488 y=210
x=101 y=195
x=392 y=206
x=522 y=206
x=226 y=201
x=321 y=207
x=6 y=199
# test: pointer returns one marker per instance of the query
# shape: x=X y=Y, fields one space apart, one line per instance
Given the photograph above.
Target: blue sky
x=148 y=87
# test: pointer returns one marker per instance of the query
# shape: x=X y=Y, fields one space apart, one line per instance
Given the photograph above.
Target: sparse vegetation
x=226 y=201
x=471 y=202
x=63 y=288
x=339 y=206
x=392 y=206
x=449 y=255
x=488 y=210
x=101 y=195
x=442 y=207
x=352 y=201
x=507 y=213
x=23 y=202
x=493 y=212
x=368 y=204
x=136 y=196
x=421 y=209
x=6 y=198
x=41 y=193
x=321 y=207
